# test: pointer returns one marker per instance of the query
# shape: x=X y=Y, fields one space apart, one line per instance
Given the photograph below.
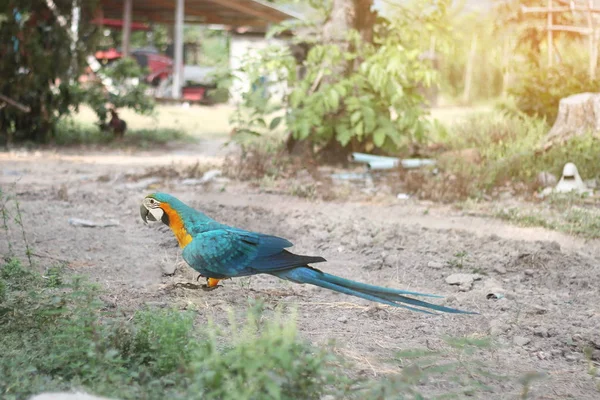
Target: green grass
x=575 y=220
x=194 y=121
x=56 y=334
x=507 y=143
x=70 y=132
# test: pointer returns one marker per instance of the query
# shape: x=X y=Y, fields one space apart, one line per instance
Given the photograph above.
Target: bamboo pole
x=469 y=69
x=549 y=40
x=593 y=48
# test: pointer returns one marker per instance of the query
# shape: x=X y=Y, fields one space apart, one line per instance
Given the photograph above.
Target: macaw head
x=154 y=207
x=172 y=212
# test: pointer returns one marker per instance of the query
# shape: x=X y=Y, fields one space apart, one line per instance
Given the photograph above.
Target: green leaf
x=275 y=123
x=343 y=134
x=355 y=117
x=334 y=99
x=379 y=137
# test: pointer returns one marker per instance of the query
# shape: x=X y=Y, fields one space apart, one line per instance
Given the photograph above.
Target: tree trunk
x=577 y=115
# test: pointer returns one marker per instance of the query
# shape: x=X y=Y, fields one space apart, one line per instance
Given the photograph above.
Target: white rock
x=462 y=279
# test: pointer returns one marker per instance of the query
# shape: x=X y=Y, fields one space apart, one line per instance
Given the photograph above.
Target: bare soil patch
x=549 y=313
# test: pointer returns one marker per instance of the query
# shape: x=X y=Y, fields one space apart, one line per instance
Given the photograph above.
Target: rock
x=471 y=156
x=529 y=272
x=435 y=265
x=343 y=319
x=541 y=355
x=462 y=279
x=391 y=260
x=142 y=184
x=498 y=327
x=168 y=268
x=499 y=269
x=494 y=237
x=546 y=179
x=572 y=357
x=541 y=331
x=521 y=340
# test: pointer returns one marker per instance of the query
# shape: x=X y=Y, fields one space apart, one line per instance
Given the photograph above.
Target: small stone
x=498 y=327
x=572 y=357
x=546 y=179
x=494 y=237
x=465 y=287
x=435 y=265
x=391 y=260
x=168 y=268
x=596 y=355
x=541 y=355
x=462 y=279
x=556 y=352
x=343 y=319
x=521 y=340
x=499 y=269
x=541 y=331
x=364 y=241
x=529 y=272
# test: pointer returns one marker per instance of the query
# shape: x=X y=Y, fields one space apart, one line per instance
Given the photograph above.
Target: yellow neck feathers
x=176 y=225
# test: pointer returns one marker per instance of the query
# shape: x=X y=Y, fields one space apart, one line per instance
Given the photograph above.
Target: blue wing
x=230 y=252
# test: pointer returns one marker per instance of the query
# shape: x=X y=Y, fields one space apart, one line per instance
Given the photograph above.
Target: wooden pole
x=549 y=40
x=178 y=61
x=125 y=46
x=505 y=65
x=592 y=42
x=469 y=70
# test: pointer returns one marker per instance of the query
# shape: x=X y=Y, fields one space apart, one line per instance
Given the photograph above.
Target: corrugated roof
x=255 y=13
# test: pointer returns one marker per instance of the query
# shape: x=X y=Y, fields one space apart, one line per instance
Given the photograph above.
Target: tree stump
x=578 y=114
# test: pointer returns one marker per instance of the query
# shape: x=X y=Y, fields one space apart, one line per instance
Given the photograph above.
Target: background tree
x=359 y=86
x=38 y=65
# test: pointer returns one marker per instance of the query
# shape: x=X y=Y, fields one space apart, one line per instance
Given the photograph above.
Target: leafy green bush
x=507 y=145
x=37 y=64
x=348 y=89
x=126 y=90
x=56 y=334
x=538 y=89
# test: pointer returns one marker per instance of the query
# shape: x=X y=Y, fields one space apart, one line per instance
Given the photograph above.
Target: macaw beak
x=146 y=214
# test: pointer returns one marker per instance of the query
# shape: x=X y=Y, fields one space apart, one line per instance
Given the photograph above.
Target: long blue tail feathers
x=389 y=296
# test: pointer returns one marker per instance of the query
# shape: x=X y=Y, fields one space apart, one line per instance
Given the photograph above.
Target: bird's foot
x=211 y=284
x=199 y=276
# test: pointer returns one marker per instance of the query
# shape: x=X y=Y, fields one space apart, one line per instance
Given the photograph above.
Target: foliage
x=41 y=66
x=507 y=144
x=346 y=90
x=38 y=64
x=538 y=89
x=118 y=86
x=70 y=132
x=57 y=334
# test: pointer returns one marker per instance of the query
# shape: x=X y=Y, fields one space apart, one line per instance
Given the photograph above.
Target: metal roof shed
x=252 y=13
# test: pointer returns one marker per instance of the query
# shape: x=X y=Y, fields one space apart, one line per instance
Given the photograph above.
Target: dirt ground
x=549 y=314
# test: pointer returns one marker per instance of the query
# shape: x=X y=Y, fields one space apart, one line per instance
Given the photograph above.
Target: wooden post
x=125 y=46
x=469 y=70
x=592 y=41
x=178 y=50
x=549 y=40
x=505 y=65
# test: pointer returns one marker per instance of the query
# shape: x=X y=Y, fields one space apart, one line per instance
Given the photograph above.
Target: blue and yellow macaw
x=218 y=251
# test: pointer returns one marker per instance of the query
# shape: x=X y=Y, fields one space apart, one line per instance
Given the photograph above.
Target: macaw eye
x=151 y=201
